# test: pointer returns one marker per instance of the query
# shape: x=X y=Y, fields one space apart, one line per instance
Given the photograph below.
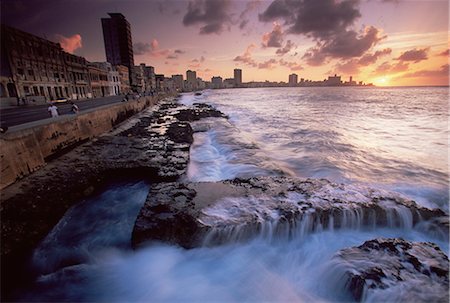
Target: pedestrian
x=3 y=127
x=53 y=110
x=74 y=108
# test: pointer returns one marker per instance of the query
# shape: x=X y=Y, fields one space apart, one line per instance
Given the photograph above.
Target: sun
x=382 y=81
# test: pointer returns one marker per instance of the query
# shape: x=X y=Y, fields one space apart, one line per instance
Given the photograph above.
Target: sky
x=384 y=42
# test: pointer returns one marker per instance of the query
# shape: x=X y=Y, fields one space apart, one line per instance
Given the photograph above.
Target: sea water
x=394 y=138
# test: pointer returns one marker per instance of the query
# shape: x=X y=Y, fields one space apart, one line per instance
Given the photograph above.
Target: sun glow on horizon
x=382 y=81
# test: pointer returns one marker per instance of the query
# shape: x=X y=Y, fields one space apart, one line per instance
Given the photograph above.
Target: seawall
x=27 y=148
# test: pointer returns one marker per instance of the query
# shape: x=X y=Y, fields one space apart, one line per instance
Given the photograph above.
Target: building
x=32 y=68
x=159 y=78
x=333 y=80
x=113 y=85
x=229 y=83
x=191 y=80
x=78 y=75
x=98 y=76
x=237 y=77
x=178 y=82
x=149 y=77
x=293 y=79
x=216 y=82
x=124 y=78
x=138 y=79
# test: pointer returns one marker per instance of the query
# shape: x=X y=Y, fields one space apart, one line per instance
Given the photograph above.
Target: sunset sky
x=387 y=42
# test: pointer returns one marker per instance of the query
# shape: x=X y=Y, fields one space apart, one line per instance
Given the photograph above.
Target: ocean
x=389 y=138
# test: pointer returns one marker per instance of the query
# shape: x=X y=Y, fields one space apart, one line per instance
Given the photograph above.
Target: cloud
x=314 y=56
x=140 y=48
x=250 y=6
x=179 y=51
x=212 y=15
x=415 y=55
x=368 y=59
x=294 y=66
x=269 y=64
x=273 y=38
x=441 y=72
x=70 y=44
x=169 y=57
x=246 y=58
x=349 y=67
x=388 y=68
x=316 y=18
x=445 y=53
x=152 y=49
x=286 y=49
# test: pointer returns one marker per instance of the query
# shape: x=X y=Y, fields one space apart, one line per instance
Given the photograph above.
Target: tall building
x=117 y=38
x=237 y=77
x=293 y=79
x=216 y=82
x=191 y=79
x=178 y=81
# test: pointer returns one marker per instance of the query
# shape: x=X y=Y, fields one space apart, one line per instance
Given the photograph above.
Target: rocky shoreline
x=155 y=145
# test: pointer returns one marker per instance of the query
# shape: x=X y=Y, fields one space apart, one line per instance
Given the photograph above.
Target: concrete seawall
x=26 y=148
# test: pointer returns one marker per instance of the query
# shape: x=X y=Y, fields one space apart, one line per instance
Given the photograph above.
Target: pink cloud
x=70 y=44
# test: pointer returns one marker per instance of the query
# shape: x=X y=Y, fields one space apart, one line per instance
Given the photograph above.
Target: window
x=20 y=71
x=26 y=89
x=30 y=72
x=35 y=91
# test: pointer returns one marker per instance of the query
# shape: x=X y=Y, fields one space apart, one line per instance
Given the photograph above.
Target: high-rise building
x=117 y=38
x=191 y=78
x=178 y=81
x=237 y=77
x=293 y=79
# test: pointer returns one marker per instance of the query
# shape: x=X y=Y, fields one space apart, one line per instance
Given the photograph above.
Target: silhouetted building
x=229 y=83
x=191 y=80
x=237 y=77
x=333 y=80
x=178 y=82
x=293 y=79
x=216 y=82
x=117 y=38
x=149 y=77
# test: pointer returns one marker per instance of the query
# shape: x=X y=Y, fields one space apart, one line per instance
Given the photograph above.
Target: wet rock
x=401 y=270
x=239 y=209
x=199 y=111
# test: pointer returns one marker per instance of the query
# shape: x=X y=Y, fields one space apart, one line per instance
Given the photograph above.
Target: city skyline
x=376 y=42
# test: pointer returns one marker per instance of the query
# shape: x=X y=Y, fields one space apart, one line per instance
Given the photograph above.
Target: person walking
x=74 y=108
x=53 y=110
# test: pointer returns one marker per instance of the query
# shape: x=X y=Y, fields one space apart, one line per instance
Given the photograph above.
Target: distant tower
x=237 y=77
x=293 y=79
x=117 y=38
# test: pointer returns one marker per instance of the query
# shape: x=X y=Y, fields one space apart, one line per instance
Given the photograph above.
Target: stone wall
x=26 y=150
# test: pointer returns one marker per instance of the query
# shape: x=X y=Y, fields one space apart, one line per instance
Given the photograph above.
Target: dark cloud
x=212 y=15
x=415 y=55
x=349 y=67
x=243 y=23
x=269 y=64
x=294 y=66
x=274 y=38
x=140 y=48
x=249 y=7
x=172 y=56
x=348 y=44
x=286 y=49
x=368 y=59
x=179 y=51
x=246 y=58
x=315 y=57
x=316 y=18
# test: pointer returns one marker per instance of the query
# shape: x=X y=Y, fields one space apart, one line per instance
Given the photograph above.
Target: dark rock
x=239 y=208
x=380 y=264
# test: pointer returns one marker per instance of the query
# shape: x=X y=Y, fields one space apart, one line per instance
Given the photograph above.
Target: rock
x=401 y=270
x=239 y=209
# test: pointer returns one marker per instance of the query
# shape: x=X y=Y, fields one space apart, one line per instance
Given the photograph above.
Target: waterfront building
x=124 y=78
x=200 y=83
x=113 y=85
x=78 y=76
x=178 y=82
x=293 y=79
x=31 y=67
x=117 y=39
x=149 y=77
x=237 y=77
x=333 y=80
x=159 y=78
x=229 y=83
x=216 y=82
x=138 y=79
x=99 y=80
x=191 y=79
